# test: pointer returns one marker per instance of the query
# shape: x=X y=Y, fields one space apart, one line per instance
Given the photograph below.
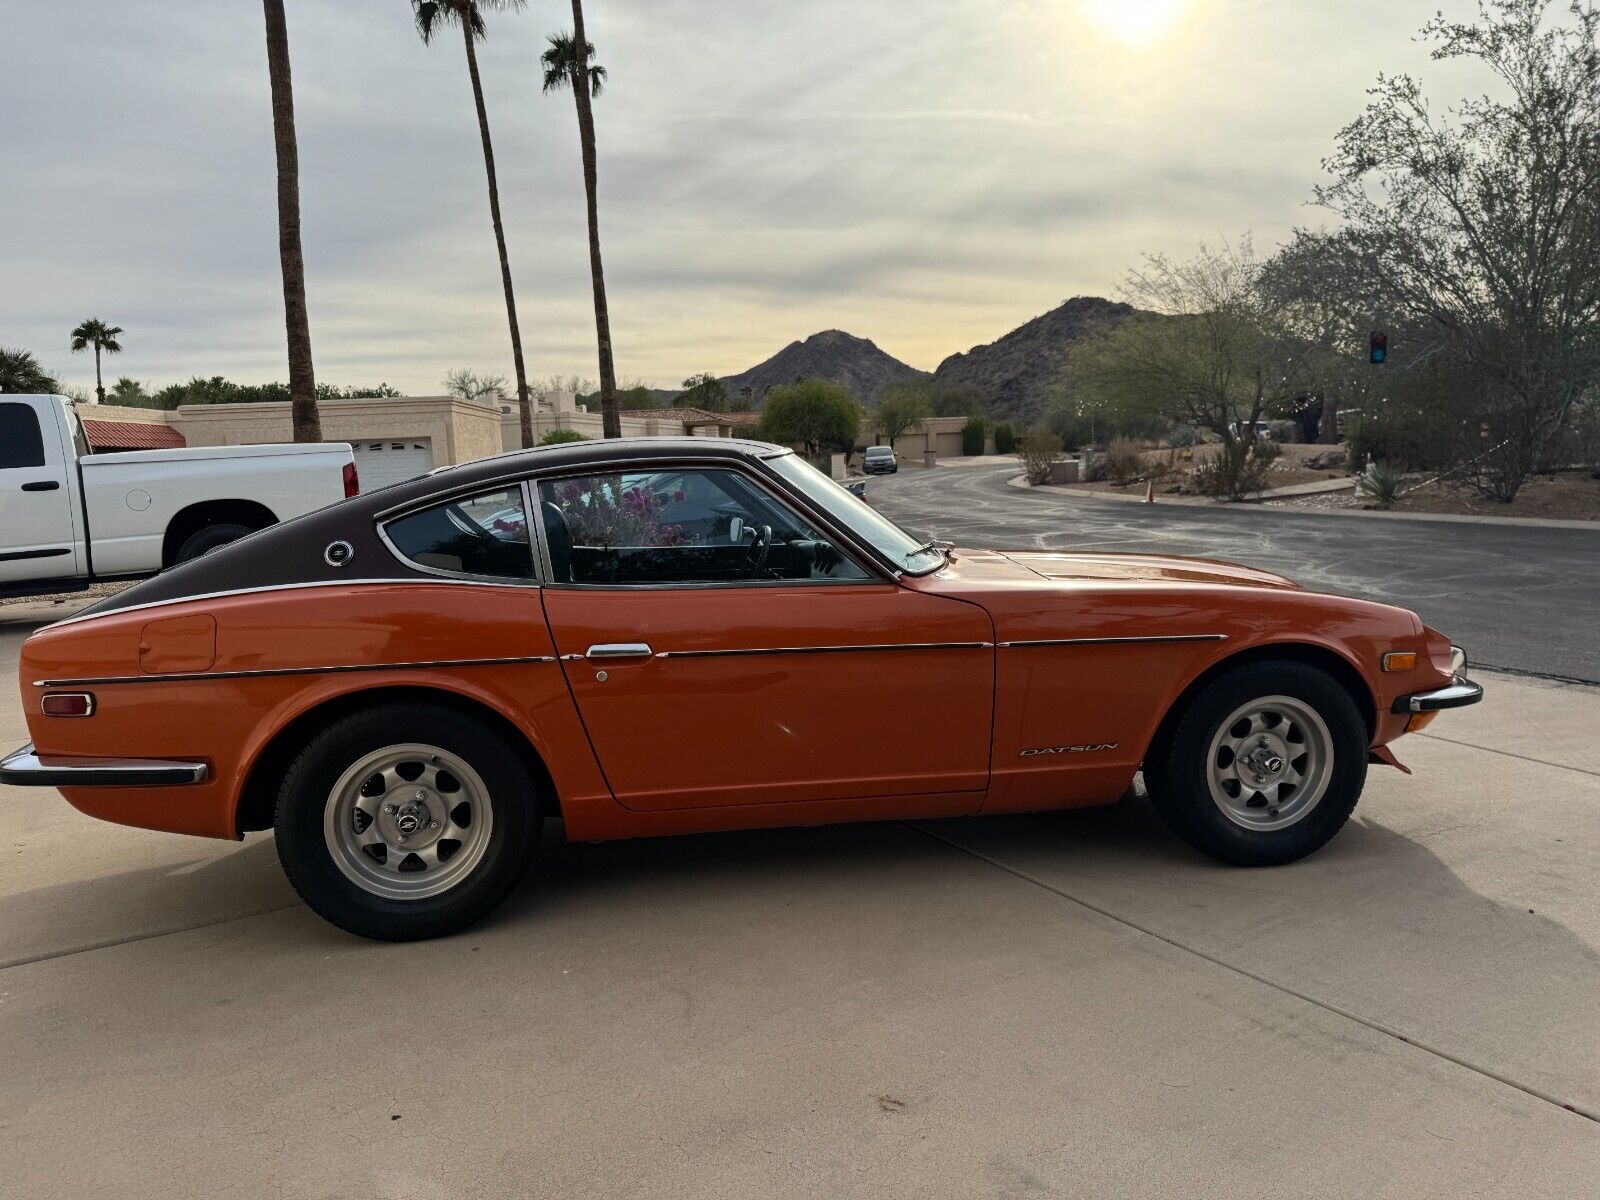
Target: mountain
x=833 y=355
x=1016 y=372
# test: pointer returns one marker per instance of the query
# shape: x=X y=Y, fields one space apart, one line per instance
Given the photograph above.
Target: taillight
x=67 y=704
x=352 y=481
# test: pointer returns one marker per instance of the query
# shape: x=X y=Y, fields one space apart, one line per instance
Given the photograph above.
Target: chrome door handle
x=619 y=650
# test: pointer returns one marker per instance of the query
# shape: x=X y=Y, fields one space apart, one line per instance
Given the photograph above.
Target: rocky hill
x=1016 y=372
x=833 y=355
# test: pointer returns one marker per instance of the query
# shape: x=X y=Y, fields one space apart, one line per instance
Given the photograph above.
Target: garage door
x=392 y=461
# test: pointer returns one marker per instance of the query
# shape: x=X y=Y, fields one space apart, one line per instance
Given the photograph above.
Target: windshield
x=867 y=523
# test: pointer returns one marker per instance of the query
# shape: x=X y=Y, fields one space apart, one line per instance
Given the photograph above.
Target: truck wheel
x=210 y=538
x=1264 y=767
x=405 y=821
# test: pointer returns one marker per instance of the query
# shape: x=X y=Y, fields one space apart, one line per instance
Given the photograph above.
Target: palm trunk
x=610 y=418
x=524 y=404
x=302 y=380
x=99 y=387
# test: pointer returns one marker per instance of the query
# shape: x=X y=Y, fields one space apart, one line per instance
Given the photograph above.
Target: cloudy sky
x=926 y=173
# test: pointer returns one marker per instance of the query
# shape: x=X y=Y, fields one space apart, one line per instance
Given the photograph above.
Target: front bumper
x=1458 y=693
x=24 y=768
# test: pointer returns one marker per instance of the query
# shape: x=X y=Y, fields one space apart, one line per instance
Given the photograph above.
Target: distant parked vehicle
x=69 y=518
x=1241 y=429
x=879 y=460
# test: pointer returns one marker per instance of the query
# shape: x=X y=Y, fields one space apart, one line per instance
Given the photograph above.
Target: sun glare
x=1135 y=22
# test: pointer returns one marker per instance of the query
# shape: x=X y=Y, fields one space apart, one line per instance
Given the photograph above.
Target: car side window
x=21 y=441
x=484 y=536
x=681 y=526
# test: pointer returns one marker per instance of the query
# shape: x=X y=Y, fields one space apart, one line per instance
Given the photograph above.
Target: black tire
x=1176 y=772
x=212 y=537
x=304 y=798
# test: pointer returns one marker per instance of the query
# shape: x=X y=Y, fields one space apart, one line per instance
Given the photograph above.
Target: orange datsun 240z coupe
x=665 y=636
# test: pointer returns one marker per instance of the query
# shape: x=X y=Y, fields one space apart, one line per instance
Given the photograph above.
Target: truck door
x=37 y=536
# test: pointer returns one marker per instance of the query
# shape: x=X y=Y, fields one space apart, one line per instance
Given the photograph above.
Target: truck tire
x=210 y=538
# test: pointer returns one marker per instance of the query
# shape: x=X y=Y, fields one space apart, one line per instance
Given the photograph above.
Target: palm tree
x=303 y=409
x=95 y=332
x=431 y=15
x=565 y=67
x=20 y=372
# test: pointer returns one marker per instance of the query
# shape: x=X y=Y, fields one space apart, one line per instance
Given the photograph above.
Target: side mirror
x=735 y=530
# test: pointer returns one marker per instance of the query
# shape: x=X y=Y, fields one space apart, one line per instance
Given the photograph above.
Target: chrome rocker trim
x=24 y=768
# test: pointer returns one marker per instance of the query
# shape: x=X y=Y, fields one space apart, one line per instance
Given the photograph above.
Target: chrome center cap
x=1271 y=763
x=409 y=820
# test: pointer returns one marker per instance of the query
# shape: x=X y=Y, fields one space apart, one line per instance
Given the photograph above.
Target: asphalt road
x=1521 y=598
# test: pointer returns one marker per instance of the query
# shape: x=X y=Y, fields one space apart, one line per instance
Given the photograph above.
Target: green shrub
x=973 y=436
x=1038 y=451
x=556 y=437
x=1005 y=439
x=1381 y=483
x=1124 y=462
x=1237 y=470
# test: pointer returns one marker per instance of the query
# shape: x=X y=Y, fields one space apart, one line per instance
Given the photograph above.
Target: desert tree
x=1475 y=228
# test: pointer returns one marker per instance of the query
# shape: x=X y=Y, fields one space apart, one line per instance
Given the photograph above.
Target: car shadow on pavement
x=1375 y=924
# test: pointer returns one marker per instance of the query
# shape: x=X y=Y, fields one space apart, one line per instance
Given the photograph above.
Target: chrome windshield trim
x=1115 y=641
x=25 y=768
x=825 y=649
x=190 y=676
x=399 y=580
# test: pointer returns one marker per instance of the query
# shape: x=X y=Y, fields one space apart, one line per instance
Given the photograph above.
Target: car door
x=760 y=661
x=36 y=521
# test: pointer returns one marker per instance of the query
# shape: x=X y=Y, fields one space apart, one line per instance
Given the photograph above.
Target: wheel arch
x=1334 y=664
x=258 y=796
x=191 y=519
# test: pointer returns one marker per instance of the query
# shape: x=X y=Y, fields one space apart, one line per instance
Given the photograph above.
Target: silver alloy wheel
x=1269 y=763
x=408 y=821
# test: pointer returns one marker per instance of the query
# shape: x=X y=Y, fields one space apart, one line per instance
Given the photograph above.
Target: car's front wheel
x=405 y=821
x=1264 y=766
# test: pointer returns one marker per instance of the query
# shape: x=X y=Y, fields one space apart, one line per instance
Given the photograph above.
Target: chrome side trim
x=825 y=649
x=399 y=580
x=1116 y=641
x=24 y=768
x=190 y=676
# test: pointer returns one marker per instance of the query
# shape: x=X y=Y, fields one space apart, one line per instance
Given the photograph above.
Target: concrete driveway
x=1523 y=597
x=1063 y=1005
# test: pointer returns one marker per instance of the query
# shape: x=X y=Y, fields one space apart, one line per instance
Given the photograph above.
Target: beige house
x=400 y=437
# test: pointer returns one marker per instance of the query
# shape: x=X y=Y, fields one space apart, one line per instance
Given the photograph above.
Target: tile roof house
x=108 y=437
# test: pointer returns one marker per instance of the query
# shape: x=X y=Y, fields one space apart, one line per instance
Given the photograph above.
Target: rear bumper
x=24 y=768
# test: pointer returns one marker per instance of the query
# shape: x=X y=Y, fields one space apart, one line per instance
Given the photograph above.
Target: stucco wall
x=458 y=430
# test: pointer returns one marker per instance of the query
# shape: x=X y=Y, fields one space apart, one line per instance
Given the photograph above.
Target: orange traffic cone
x=1149 y=491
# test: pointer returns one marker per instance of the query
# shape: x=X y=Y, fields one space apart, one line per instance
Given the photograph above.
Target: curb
x=1255 y=505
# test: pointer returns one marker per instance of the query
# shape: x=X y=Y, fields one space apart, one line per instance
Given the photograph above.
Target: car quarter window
x=485 y=535
x=681 y=525
x=21 y=442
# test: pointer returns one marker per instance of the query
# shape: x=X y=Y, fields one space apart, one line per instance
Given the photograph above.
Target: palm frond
x=597 y=79
x=561 y=64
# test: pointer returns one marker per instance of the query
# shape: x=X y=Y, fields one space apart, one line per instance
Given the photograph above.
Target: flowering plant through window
x=601 y=512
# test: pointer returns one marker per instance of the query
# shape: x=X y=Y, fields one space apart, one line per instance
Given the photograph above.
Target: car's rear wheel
x=1264 y=766
x=405 y=821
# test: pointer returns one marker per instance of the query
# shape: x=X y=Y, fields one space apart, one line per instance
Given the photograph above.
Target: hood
x=1144 y=568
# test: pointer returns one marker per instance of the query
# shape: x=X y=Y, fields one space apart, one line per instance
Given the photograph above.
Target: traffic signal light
x=1378 y=348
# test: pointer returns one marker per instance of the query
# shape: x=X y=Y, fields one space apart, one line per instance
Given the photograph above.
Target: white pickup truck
x=69 y=518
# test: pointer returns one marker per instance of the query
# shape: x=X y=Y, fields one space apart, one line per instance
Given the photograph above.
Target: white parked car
x=69 y=518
